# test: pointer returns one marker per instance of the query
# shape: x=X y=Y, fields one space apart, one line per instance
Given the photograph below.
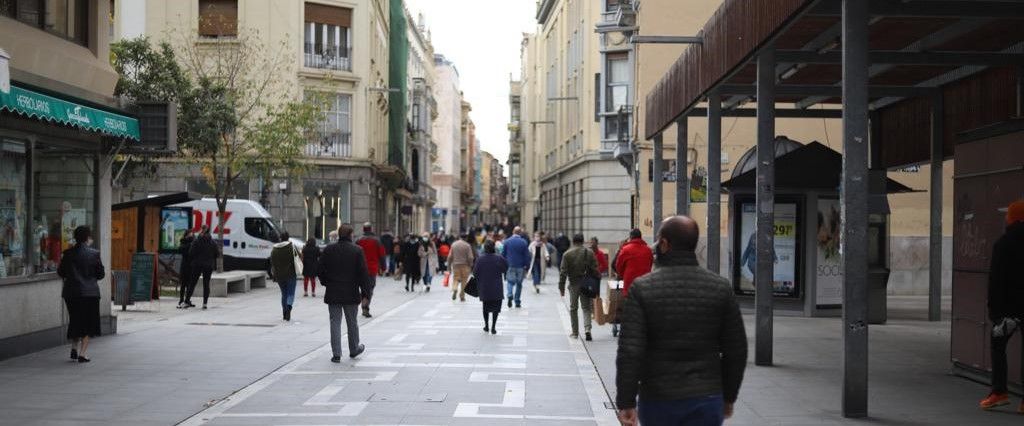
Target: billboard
x=174 y=223
x=829 y=270
x=784 y=282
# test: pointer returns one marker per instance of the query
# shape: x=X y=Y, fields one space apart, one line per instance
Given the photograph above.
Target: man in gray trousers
x=343 y=273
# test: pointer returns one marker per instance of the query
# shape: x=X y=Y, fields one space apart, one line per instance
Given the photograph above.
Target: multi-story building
x=486 y=188
x=339 y=51
x=448 y=134
x=422 y=111
x=498 y=193
x=582 y=187
x=59 y=125
x=623 y=18
x=469 y=175
x=515 y=156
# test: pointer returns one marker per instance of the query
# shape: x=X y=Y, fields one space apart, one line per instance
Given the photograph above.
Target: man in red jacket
x=634 y=260
x=373 y=250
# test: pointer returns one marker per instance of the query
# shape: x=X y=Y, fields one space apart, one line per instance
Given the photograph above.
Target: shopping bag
x=599 y=312
x=447 y=278
x=297 y=258
x=471 y=287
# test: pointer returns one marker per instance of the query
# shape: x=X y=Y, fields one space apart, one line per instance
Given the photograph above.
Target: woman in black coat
x=204 y=254
x=411 y=265
x=185 y=272
x=310 y=260
x=488 y=270
x=81 y=269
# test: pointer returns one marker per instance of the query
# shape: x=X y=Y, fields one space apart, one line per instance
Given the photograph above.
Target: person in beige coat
x=538 y=261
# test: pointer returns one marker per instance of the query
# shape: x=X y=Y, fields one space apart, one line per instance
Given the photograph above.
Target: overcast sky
x=482 y=37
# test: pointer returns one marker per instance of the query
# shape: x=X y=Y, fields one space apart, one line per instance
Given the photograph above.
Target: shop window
x=218 y=18
x=64 y=191
x=328 y=205
x=13 y=209
x=65 y=18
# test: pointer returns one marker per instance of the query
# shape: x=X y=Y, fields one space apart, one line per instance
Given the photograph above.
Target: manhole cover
x=428 y=397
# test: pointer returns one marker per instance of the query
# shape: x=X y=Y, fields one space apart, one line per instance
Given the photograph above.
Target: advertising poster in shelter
x=829 y=270
x=784 y=282
x=174 y=222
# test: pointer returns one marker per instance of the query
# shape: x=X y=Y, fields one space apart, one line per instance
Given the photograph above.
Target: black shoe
x=358 y=351
x=588 y=337
x=204 y=306
x=336 y=359
x=190 y=305
x=518 y=306
x=453 y=296
x=288 y=313
x=494 y=330
x=367 y=314
x=486 y=329
x=83 y=360
x=537 y=288
x=74 y=354
x=510 y=302
x=427 y=290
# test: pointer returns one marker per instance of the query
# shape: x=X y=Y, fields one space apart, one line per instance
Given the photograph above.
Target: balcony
x=335 y=144
x=327 y=57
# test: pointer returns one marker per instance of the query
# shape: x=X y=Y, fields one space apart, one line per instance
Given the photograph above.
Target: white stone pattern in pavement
x=429 y=362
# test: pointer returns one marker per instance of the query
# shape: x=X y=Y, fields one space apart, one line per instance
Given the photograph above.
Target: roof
x=159 y=200
x=967 y=50
x=811 y=167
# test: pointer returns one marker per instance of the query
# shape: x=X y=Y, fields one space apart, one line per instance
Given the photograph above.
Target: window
x=261 y=228
x=416 y=117
x=618 y=81
x=218 y=18
x=328 y=205
x=13 y=209
x=65 y=18
x=333 y=136
x=63 y=198
x=611 y=5
x=328 y=41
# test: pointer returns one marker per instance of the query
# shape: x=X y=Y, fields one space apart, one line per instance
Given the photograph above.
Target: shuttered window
x=218 y=18
x=330 y=15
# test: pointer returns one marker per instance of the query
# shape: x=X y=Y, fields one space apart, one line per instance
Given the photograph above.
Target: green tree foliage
x=236 y=117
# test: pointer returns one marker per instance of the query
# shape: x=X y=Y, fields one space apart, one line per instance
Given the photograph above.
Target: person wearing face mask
x=539 y=258
x=683 y=349
x=634 y=260
x=411 y=265
x=428 y=260
x=81 y=268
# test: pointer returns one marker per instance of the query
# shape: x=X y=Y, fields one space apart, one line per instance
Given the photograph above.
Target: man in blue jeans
x=517 y=253
x=682 y=348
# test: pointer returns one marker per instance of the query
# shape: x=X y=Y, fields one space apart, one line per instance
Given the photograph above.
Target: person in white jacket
x=539 y=256
x=428 y=260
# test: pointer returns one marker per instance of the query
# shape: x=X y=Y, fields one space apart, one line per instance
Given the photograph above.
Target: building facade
x=59 y=125
x=448 y=134
x=515 y=155
x=582 y=188
x=909 y=218
x=420 y=118
x=339 y=52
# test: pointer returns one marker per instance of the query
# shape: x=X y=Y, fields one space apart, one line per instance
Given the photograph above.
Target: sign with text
x=785 y=229
x=829 y=270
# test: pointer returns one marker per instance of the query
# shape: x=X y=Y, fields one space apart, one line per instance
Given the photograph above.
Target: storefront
x=55 y=167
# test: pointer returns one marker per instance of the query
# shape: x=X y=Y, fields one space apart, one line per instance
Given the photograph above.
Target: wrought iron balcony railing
x=334 y=144
x=327 y=57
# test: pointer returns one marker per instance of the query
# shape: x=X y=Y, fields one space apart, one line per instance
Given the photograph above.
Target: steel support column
x=935 y=221
x=854 y=199
x=765 y=276
x=714 y=196
x=682 y=175
x=656 y=178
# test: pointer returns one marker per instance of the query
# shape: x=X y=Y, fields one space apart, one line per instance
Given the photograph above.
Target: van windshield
x=261 y=228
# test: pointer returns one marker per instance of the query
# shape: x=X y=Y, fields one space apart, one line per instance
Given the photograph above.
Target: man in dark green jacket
x=577 y=263
x=682 y=348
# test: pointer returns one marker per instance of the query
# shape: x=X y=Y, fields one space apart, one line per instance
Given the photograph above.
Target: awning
x=49 y=108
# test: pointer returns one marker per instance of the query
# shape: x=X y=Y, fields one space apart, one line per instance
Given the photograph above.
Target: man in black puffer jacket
x=682 y=347
x=343 y=274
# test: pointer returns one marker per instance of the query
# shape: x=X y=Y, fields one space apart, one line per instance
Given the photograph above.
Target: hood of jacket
x=282 y=244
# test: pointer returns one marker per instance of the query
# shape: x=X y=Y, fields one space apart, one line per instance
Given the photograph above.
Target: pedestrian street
x=428 y=361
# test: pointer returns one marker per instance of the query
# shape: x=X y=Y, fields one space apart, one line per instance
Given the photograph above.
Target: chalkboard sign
x=143 y=275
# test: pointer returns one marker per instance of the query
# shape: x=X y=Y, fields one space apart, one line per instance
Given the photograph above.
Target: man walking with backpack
x=578 y=264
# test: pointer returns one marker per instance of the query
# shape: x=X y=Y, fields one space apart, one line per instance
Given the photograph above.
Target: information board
x=785 y=256
x=143 y=275
x=174 y=223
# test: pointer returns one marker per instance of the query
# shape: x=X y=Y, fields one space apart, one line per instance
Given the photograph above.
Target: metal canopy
x=966 y=50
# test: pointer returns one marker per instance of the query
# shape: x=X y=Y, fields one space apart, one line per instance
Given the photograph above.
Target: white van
x=249 y=231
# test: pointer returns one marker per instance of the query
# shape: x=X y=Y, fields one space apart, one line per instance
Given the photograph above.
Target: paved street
x=429 y=363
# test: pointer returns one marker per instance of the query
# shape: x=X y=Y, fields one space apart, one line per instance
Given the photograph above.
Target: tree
x=236 y=117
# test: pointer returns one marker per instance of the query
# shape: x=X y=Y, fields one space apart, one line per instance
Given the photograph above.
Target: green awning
x=49 y=108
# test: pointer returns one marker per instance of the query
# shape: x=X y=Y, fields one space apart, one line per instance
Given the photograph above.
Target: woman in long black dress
x=310 y=260
x=81 y=269
x=488 y=270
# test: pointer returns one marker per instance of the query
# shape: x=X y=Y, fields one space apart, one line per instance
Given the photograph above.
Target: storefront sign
x=784 y=282
x=48 y=108
x=829 y=270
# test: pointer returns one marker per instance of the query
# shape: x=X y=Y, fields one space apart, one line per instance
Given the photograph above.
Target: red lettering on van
x=199 y=219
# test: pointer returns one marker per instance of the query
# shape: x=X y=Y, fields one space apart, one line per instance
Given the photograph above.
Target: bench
x=229 y=282
x=257 y=279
